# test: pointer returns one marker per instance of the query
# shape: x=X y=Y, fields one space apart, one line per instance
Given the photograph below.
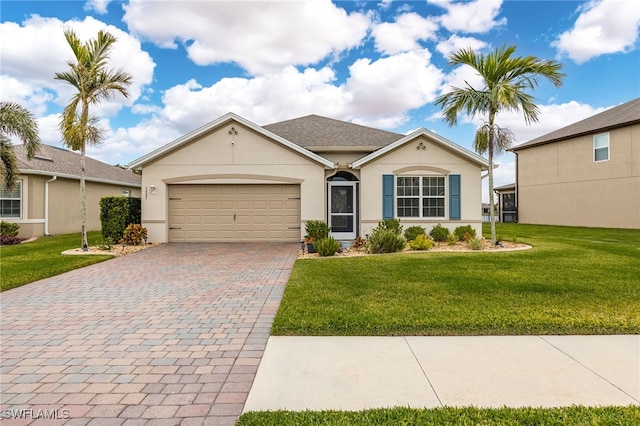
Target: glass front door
x=342 y=210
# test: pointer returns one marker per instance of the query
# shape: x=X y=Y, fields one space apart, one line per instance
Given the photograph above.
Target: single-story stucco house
x=46 y=200
x=584 y=174
x=233 y=180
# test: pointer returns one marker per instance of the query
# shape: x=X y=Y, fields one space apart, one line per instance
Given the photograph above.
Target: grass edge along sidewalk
x=573 y=281
x=458 y=416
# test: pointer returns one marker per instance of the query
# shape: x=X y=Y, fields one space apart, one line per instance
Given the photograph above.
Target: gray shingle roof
x=620 y=116
x=314 y=131
x=52 y=160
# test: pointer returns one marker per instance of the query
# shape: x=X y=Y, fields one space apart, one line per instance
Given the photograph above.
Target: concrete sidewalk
x=355 y=373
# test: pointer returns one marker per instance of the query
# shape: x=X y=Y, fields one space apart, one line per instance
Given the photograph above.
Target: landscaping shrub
x=421 y=242
x=9 y=229
x=464 y=233
x=383 y=240
x=358 y=243
x=439 y=233
x=134 y=234
x=326 y=246
x=474 y=243
x=7 y=240
x=452 y=239
x=413 y=231
x=316 y=230
x=391 y=225
x=116 y=213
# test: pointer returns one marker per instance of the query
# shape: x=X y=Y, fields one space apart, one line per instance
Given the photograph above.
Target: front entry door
x=342 y=210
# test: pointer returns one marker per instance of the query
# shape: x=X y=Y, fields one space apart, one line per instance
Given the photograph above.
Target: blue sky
x=377 y=63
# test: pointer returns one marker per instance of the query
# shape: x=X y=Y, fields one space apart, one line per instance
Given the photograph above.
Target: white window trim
x=20 y=183
x=608 y=147
x=420 y=198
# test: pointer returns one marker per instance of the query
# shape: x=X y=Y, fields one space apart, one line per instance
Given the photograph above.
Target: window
x=420 y=196
x=601 y=147
x=11 y=202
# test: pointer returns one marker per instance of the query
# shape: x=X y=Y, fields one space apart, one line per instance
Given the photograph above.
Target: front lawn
x=566 y=416
x=35 y=260
x=574 y=281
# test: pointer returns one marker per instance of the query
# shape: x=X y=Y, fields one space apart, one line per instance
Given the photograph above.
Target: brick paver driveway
x=170 y=335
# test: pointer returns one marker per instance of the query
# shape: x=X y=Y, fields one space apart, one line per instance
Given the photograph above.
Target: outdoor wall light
x=153 y=189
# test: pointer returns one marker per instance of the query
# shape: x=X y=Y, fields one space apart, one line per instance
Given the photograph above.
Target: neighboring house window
x=601 y=147
x=11 y=202
x=420 y=196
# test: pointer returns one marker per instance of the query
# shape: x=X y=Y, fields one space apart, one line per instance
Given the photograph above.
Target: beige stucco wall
x=64 y=205
x=219 y=157
x=409 y=161
x=560 y=184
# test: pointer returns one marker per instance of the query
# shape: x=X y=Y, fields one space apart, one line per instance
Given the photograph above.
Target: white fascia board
x=77 y=177
x=471 y=156
x=219 y=122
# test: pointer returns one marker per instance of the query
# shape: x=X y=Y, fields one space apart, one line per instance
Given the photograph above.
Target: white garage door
x=211 y=213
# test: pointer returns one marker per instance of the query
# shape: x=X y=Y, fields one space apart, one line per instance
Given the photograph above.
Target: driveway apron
x=170 y=335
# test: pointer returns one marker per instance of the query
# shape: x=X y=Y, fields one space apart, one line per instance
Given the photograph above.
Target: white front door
x=342 y=210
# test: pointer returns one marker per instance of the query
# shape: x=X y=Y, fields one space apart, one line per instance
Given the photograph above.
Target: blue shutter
x=387 y=196
x=454 y=197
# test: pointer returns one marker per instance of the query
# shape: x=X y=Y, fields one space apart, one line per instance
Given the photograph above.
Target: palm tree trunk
x=83 y=201
x=492 y=209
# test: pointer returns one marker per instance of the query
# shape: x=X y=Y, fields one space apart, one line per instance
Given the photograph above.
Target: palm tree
x=94 y=83
x=17 y=121
x=506 y=79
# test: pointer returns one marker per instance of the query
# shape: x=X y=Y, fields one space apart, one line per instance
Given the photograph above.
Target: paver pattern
x=171 y=335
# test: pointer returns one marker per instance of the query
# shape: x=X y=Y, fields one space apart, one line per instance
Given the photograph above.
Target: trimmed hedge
x=116 y=213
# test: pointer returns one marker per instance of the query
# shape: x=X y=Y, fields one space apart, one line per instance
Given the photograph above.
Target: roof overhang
x=445 y=143
x=76 y=177
x=227 y=118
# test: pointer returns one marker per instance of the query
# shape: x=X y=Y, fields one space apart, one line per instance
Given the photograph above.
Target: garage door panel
x=234 y=212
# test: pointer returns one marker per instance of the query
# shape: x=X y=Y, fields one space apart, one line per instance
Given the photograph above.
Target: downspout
x=46 y=205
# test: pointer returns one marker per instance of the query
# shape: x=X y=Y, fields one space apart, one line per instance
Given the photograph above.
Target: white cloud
x=456 y=42
x=477 y=16
x=606 y=26
x=29 y=64
x=260 y=37
x=98 y=6
x=404 y=34
x=391 y=86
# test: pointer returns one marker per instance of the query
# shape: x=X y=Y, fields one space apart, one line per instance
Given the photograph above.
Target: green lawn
x=466 y=416
x=27 y=262
x=574 y=281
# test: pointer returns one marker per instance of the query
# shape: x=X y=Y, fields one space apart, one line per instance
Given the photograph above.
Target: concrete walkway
x=170 y=335
x=355 y=373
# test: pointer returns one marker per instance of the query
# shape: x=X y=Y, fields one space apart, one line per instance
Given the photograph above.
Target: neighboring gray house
x=46 y=199
x=585 y=174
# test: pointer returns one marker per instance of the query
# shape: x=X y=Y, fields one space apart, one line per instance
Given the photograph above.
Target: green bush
x=439 y=233
x=474 y=243
x=421 y=242
x=316 y=230
x=452 y=239
x=116 y=213
x=413 y=231
x=391 y=225
x=9 y=229
x=135 y=234
x=464 y=233
x=383 y=240
x=326 y=246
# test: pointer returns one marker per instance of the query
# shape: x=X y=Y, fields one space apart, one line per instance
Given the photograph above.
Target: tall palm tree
x=15 y=120
x=506 y=80
x=94 y=83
